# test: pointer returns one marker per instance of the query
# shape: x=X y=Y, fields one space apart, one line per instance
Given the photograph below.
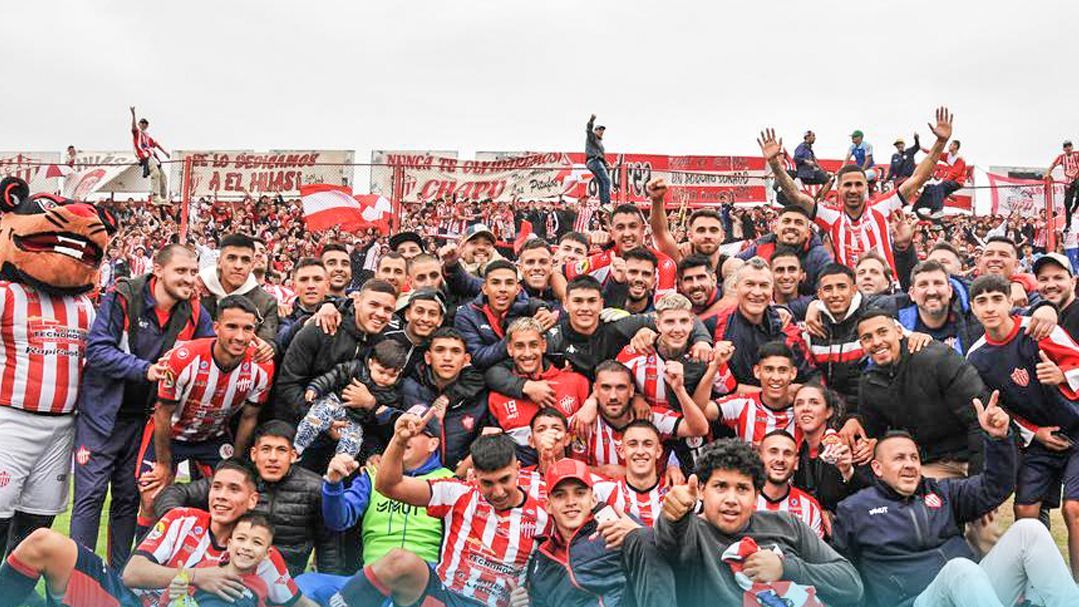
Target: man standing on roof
x=146 y=152
x=596 y=159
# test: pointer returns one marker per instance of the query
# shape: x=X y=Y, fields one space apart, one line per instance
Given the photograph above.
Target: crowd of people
x=544 y=404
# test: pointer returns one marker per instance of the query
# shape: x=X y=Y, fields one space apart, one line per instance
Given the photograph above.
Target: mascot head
x=51 y=243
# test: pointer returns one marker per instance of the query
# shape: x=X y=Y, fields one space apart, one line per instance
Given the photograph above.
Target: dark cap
x=402 y=237
x=601 y=128
x=428 y=295
x=565 y=469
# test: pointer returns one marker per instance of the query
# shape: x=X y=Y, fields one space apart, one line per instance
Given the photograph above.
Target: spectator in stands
x=1069 y=159
x=793 y=231
x=906 y=533
x=805 y=162
x=596 y=159
x=232 y=276
x=392 y=268
x=731 y=478
x=407 y=244
x=146 y=149
x=1056 y=284
x=902 y=165
x=288 y=496
x=335 y=258
x=118 y=387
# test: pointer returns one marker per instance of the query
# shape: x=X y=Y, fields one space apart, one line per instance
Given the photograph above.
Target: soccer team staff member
x=185 y=539
x=137 y=323
x=491 y=529
x=206 y=381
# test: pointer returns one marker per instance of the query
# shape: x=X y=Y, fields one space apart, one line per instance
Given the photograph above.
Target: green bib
x=389 y=524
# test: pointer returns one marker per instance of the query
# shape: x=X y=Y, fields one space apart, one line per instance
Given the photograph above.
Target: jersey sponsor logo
x=1021 y=377
x=226 y=451
x=932 y=500
x=881 y=510
x=82 y=456
x=182 y=353
x=157 y=531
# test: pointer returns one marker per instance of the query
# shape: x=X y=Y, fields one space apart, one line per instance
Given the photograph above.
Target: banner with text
x=1023 y=196
x=31 y=167
x=101 y=172
x=233 y=174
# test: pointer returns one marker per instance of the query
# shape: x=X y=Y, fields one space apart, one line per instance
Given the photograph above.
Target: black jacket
x=293 y=505
x=929 y=395
x=588 y=574
x=824 y=481
x=267 y=307
x=899 y=543
x=466 y=416
x=313 y=353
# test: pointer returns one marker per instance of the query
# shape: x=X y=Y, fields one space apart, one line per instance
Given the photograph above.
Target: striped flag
x=326 y=206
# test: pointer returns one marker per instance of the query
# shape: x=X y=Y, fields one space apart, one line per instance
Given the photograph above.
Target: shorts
x=202 y=455
x=437 y=595
x=35 y=461
x=94 y=584
x=1041 y=471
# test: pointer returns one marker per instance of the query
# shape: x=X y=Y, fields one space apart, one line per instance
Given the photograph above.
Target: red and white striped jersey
x=515 y=415
x=483 y=549
x=751 y=419
x=645 y=505
x=599 y=267
x=800 y=504
x=140 y=264
x=648 y=371
x=284 y=295
x=853 y=238
x=1070 y=162
x=208 y=395
x=182 y=539
x=42 y=348
x=144 y=144
x=602 y=448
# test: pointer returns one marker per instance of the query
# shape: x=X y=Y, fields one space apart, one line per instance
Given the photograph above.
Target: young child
x=252 y=559
x=379 y=372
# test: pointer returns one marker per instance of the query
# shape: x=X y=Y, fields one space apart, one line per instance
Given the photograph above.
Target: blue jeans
x=603 y=180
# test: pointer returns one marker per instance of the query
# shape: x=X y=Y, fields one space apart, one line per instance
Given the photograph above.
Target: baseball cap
x=857 y=134
x=565 y=469
x=429 y=295
x=432 y=427
x=475 y=230
x=402 y=237
x=1056 y=258
x=1067 y=142
x=899 y=140
x=601 y=128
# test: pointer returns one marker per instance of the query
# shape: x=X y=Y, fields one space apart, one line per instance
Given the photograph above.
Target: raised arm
x=661 y=232
x=134 y=127
x=925 y=168
x=391 y=480
x=772 y=149
x=591 y=121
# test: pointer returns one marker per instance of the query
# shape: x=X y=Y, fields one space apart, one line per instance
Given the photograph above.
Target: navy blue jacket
x=900 y=543
x=587 y=575
x=466 y=416
x=112 y=363
x=485 y=343
x=814 y=256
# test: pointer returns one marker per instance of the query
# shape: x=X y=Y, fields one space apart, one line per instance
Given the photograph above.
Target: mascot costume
x=50 y=251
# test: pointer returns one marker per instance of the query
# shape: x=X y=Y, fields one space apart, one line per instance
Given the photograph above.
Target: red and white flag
x=1023 y=196
x=326 y=206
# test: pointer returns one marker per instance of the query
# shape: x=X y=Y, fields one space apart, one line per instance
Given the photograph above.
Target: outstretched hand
x=770 y=146
x=992 y=418
x=943 y=128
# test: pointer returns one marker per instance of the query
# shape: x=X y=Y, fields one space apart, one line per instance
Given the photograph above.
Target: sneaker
x=925 y=214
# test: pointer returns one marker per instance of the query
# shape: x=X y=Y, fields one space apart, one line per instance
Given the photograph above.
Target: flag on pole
x=326 y=206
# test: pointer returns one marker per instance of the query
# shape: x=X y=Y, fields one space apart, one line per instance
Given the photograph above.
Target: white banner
x=383 y=161
x=31 y=167
x=240 y=173
x=100 y=172
x=532 y=177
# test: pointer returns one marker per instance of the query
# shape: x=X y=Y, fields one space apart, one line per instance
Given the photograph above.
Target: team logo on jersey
x=182 y=353
x=5 y=478
x=468 y=422
x=204 y=365
x=82 y=456
x=226 y=451
x=567 y=403
x=932 y=500
x=1021 y=377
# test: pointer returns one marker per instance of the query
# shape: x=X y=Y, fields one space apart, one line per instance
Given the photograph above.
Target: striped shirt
x=144 y=144
x=800 y=504
x=208 y=395
x=182 y=539
x=1070 y=162
x=43 y=339
x=483 y=549
x=603 y=447
x=853 y=238
x=647 y=370
x=645 y=505
x=751 y=419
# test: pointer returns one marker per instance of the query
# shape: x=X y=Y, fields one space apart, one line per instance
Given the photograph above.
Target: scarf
x=775 y=594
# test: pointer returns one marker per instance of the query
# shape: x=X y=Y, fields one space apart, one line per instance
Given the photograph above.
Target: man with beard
x=631 y=286
x=310 y=285
x=335 y=259
x=447 y=380
x=753 y=322
x=730 y=479
x=422 y=316
x=794 y=232
x=483 y=322
x=697 y=281
x=137 y=323
x=1056 y=284
x=289 y=497
x=232 y=276
x=477 y=248
x=614 y=389
x=941 y=307
x=582 y=340
x=789 y=276
x=542 y=383
x=861 y=225
x=626 y=232
x=392 y=268
x=705 y=229
x=779 y=454
x=1001 y=257
x=313 y=352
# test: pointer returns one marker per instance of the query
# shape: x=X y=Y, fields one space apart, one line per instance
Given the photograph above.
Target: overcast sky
x=667 y=77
